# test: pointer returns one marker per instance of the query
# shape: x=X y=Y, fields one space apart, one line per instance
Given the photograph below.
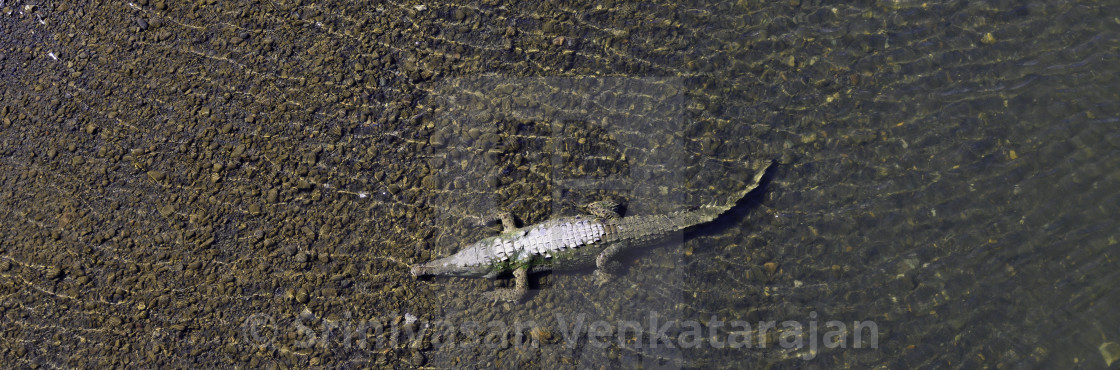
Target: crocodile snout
x=421 y=270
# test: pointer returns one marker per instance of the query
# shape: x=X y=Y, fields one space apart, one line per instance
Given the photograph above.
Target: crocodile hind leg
x=514 y=295
x=607 y=265
x=604 y=209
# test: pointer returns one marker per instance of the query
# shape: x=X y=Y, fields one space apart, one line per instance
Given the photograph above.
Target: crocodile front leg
x=604 y=209
x=514 y=295
x=509 y=223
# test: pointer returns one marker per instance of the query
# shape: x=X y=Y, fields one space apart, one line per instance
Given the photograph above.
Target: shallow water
x=212 y=184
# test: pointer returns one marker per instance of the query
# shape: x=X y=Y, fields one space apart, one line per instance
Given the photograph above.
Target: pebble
x=1111 y=352
x=541 y=334
x=417 y=359
x=771 y=267
x=54 y=273
x=430 y=182
x=436 y=140
x=754 y=273
x=808 y=138
x=988 y=39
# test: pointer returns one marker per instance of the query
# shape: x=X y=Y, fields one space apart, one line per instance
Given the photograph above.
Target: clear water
x=225 y=184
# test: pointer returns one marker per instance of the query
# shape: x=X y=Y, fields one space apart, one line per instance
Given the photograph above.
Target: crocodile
x=573 y=242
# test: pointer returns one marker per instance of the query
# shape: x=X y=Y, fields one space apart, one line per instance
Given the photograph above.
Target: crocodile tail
x=760 y=168
x=711 y=211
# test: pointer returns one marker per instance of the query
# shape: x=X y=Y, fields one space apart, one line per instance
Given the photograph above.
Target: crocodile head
x=448 y=266
x=472 y=261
